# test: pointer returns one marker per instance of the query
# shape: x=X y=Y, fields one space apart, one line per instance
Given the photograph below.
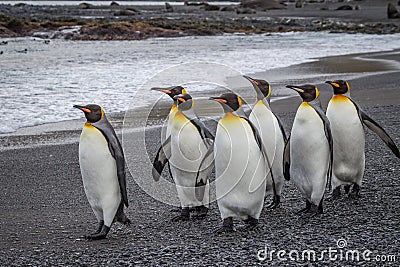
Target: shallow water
x=40 y=84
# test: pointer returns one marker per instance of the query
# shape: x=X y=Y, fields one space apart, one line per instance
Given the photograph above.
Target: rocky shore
x=117 y=21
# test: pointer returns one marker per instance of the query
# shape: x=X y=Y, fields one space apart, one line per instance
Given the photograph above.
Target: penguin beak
x=220 y=100
x=83 y=108
x=253 y=81
x=164 y=90
x=296 y=88
x=332 y=83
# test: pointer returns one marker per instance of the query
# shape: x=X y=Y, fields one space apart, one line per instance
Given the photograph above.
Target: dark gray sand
x=44 y=211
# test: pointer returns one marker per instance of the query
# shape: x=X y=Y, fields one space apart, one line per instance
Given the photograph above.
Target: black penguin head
x=339 y=87
x=262 y=87
x=171 y=91
x=307 y=92
x=93 y=112
x=183 y=101
x=229 y=101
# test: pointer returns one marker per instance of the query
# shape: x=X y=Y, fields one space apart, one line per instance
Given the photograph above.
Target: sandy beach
x=45 y=212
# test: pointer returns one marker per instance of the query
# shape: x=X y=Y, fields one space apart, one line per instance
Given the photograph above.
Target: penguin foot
x=227 y=227
x=251 y=224
x=184 y=216
x=101 y=235
x=120 y=215
x=335 y=194
x=201 y=212
x=275 y=203
x=347 y=188
x=313 y=211
x=355 y=192
x=177 y=209
x=306 y=209
x=101 y=223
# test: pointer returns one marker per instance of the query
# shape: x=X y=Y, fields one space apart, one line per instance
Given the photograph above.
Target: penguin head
x=171 y=91
x=183 y=101
x=93 y=112
x=307 y=92
x=262 y=87
x=339 y=87
x=229 y=101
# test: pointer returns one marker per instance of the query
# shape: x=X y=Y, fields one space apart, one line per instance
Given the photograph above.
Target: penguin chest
x=187 y=146
x=98 y=167
x=268 y=127
x=239 y=167
x=309 y=150
x=348 y=137
x=170 y=121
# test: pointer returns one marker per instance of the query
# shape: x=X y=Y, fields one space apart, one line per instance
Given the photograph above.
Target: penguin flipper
x=117 y=153
x=376 y=128
x=282 y=129
x=286 y=160
x=162 y=156
x=203 y=173
x=203 y=130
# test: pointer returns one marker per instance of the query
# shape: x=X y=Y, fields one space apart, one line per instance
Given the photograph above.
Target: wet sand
x=45 y=212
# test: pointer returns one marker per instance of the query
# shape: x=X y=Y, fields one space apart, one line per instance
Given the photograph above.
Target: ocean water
x=39 y=82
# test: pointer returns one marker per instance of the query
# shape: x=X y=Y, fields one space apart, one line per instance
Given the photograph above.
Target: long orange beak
x=84 y=109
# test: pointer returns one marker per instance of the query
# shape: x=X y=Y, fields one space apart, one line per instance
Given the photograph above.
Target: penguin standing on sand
x=241 y=166
x=272 y=134
x=185 y=149
x=102 y=164
x=347 y=121
x=308 y=151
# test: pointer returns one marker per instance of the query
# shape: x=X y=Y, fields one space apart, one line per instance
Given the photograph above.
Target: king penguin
x=347 y=121
x=240 y=166
x=185 y=150
x=308 y=151
x=102 y=165
x=272 y=134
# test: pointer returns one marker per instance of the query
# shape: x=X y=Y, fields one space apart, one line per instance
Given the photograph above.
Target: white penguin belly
x=99 y=172
x=348 y=140
x=309 y=154
x=267 y=124
x=240 y=170
x=187 y=152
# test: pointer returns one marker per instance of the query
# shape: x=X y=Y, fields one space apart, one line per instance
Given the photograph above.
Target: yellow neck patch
x=240 y=101
x=88 y=125
x=269 y=92
x=348 y=87
x=339 y=98
x=304 y=104
x=316 y=93
x=184 y=91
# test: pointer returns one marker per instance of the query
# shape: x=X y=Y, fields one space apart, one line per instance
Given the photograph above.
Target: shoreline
x=384 y=64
